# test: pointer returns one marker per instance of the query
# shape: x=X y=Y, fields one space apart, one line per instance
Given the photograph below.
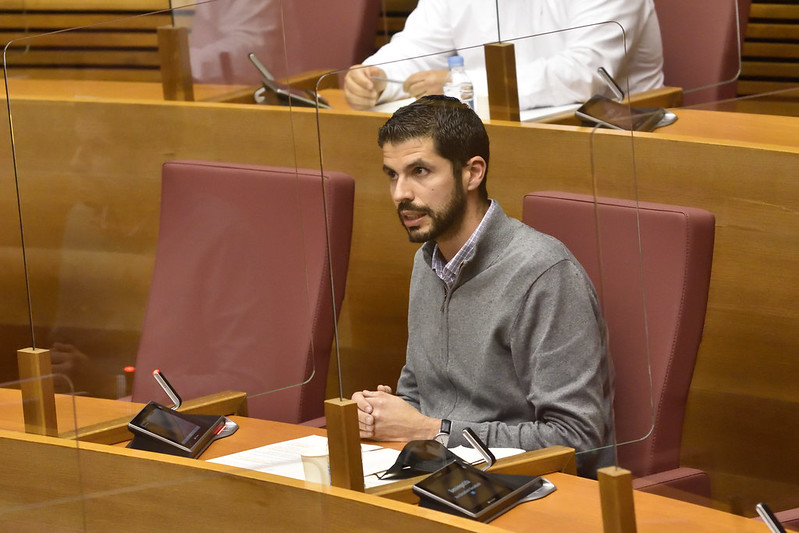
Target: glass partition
x=132 y=260
x=28 y=490
x=702 y=46
x=123 y=269
x=743 y=394
x=373 y=327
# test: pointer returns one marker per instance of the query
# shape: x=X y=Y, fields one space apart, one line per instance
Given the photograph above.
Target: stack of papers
x=283 y=458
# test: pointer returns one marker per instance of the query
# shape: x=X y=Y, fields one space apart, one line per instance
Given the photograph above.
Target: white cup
x=316 y=465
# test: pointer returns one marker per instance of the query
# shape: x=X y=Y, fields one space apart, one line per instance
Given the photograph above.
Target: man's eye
x=420 y=171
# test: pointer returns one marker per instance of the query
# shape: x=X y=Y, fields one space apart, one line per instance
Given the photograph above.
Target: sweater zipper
x=447 y=291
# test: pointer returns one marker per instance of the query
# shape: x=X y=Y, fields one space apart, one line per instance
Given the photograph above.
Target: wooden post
x=38 y=394
x=503 y=92
x=616 y=496
x=173 y=51
x=344 y=444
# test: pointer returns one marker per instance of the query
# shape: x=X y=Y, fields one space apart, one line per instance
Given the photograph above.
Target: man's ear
x=473 y=172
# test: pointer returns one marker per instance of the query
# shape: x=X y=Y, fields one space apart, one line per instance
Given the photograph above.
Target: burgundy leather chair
x=241 y=290
x=330 y=35
x=291 y=38
x=701 y=46
x=673 y=267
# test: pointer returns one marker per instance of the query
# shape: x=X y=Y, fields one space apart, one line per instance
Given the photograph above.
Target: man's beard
x=441 y=222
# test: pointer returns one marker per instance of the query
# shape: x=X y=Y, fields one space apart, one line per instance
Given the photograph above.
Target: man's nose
x=401 y=190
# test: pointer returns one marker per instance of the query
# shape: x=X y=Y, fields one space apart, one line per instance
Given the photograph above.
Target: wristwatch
x=443 y=434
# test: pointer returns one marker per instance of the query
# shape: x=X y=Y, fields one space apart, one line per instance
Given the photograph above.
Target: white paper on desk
x=283 y=458
x=540 y=113
x=472 y=456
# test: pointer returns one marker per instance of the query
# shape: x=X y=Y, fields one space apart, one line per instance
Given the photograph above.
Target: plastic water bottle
x=458 y=84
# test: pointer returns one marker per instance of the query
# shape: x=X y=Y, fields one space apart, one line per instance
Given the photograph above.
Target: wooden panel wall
x=114 y=40
x=392 y=19
x=771 y=51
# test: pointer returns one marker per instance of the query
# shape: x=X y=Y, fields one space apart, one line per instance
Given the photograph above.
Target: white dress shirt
x=552 y=68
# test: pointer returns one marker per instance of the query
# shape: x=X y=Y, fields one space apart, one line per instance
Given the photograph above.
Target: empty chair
x=673 y=267
x=290 y=38
x=701 y=46
x=241 y=290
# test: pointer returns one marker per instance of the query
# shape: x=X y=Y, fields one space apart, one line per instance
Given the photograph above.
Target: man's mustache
x=406 y=205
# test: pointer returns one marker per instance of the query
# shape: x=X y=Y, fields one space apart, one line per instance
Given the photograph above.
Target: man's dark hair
x=458 y=133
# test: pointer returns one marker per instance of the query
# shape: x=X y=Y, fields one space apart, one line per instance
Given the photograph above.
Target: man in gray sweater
x=505 y=333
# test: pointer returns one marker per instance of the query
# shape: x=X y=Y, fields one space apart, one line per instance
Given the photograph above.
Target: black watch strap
x=443 y=433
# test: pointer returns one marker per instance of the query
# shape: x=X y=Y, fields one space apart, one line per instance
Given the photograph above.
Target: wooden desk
x=70 y=411
x=42 y=485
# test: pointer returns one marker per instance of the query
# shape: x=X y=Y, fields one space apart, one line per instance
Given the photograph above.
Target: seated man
x=505 y=333
x=554 y=69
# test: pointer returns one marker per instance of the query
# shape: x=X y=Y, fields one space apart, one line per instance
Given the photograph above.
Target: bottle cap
x=455 y=61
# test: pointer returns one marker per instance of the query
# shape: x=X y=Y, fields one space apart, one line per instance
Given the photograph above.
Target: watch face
x=446 y=426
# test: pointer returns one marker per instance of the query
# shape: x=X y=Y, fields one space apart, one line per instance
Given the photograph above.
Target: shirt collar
x=448 y=272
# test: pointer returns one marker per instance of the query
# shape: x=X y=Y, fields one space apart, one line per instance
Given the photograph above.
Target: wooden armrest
x=660 y=97
x=532 y=463
x=116 y=431
x=304 y=80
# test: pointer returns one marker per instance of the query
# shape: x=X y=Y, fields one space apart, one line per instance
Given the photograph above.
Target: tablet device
x=293 y=96
x=287 y=94
x=606 y=112
x=188 y=434
x=462 y=489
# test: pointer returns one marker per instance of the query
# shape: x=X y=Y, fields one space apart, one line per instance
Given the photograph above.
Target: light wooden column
x=38 y=393
x=344 y=444
x=503 y=92
x=173 y=51
x=616 y=496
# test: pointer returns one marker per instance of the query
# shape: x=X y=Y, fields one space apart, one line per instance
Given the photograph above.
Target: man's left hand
x=425 y=82
x=393 y=419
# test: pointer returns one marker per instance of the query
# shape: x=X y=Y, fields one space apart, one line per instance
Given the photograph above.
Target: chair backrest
x=701 y=45
x=290 y=38
x=333 y=34
x=673 y=268
x=241 y=290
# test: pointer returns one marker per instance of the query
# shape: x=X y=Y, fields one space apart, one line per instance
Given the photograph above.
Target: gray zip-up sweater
x=515 y=350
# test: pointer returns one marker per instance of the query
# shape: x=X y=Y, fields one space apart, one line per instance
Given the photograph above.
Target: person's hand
x=82 y=374
x=383 y=416
x=68 y=360
x=360 y=89
x=425 y=82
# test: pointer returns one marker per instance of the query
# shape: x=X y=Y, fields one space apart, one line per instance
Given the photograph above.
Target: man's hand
x=383 y=416
x=425 y=82
x=359 y=87
x=68 y=360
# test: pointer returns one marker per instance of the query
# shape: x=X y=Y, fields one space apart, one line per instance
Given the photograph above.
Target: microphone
x=610 y=82
x=480 y=446
x=168 y=388
x=261 y=67
x=230 y=426
x=768 y=517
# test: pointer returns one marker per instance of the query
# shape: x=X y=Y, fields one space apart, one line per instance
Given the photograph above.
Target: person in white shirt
x=553 y=68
